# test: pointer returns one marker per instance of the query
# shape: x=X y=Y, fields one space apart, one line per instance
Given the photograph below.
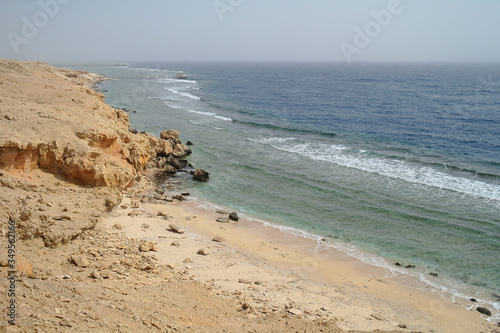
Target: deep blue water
x=399 y=160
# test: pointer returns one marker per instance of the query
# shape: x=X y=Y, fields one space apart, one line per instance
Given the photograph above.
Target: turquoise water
x=402 y=161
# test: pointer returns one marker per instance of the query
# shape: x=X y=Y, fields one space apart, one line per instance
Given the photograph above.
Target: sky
x=89 y=31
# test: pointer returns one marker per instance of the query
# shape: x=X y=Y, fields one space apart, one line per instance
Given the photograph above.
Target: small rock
x=187 y=261
x=61 y=218
x=245 y=306
x=223 y=220
x=245 y=281
x=176 y=228
x=135 y=203
x=295 y=312
x=162 y=213
x=233 y=216
x=134 y=213
x=145 y=226
x=118 y=226
x=80 y=261
x=203 y=252
x=175 y=243
x=218 y=239
x=200 y=175
x=410 y=266
x=484 y=311
x=65 y=323
x=402 y=326
x=433 y=274
x=189 y=143
x=473 y=300
x=222 y=212
x=186 y=194
x=95 y=274
x=397 y=264
x=259 y=283
x=148 y=246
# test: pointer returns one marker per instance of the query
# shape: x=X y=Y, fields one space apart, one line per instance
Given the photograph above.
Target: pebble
x=176 y=229
x=218 y=239
x=80 y=261
x=175 y=243
x=203 y=252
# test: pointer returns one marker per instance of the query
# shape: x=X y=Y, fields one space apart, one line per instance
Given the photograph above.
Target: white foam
x=390 y=168
x=271 y=140
x=211 y=114
x=167 y=80
x=182 y=93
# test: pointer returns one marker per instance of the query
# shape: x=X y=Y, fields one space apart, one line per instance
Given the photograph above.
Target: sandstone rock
x=233 y=216
x=145 y=226
x=218 y=239
x=187 y=261
x=162 y=213
x=170 y=134
x=80 y=261
x=176 y=228
x=163 y=148
x=118 y=226
x=222 y=220
x=181 y=150
x=134 y=213
x=200 y=175
x=245 y=281
x=148 y=246
x=222 y=212
x=203 y=252
x=175 y=243
x=295 y=312
x=95 y=274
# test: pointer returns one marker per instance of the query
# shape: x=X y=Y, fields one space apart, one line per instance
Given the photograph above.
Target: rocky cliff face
x=53 y=124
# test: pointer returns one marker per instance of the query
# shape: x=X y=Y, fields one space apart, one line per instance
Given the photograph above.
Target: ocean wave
x=211 y=114
x=182 y=93
x=402 y=170
x=170 y=80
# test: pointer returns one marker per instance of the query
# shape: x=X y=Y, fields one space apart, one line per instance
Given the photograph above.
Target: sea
x=388 y=162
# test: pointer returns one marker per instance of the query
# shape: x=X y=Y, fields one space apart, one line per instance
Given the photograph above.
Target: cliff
x=60 y=140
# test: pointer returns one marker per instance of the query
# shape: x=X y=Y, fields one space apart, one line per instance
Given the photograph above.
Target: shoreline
x=369 y=299
x=326 y=249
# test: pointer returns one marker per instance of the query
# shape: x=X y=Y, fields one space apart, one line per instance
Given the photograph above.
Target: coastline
x=289 y=276
x=89 y=272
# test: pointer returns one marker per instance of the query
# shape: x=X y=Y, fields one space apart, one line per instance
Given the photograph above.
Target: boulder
x=200 y=175
x=484 y=311
x=170 y=134
x=181 y=150
x=80 y=261
x=177 y=163
x=168 y=169
x=233 y=216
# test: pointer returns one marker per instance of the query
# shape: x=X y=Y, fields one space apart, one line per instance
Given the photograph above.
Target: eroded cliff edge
x=65 y=155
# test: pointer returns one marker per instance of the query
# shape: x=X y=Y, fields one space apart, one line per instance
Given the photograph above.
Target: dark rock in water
x=186 y=194
x=433 y=274
x=484 y=311
x=397 y=264
x=473 y=300
x=189 y=143
x=200 y=175
x=177 y=163
x=233 y=216
x=496 y=296
x=410 y=266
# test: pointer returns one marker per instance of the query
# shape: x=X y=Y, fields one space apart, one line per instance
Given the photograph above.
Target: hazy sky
x=275 y=30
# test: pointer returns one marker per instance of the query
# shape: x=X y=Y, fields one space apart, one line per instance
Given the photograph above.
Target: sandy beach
x=100 y=249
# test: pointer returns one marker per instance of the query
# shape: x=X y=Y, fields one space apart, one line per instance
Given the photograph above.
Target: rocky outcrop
x=60 y=137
